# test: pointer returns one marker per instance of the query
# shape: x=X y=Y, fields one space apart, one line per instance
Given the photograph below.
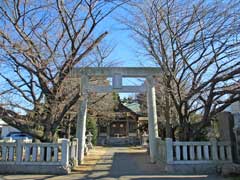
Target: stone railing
x=26 y=157
x=177 y=152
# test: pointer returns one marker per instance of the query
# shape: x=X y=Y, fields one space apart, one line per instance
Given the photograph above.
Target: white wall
x=235 y=107
x=7 y=129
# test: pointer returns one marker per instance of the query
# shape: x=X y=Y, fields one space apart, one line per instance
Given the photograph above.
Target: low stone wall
x=193 y=157
x=194 y=168
x=38 y=158
x=33 y=169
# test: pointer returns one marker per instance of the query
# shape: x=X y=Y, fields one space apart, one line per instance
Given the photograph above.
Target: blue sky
x=126 y=48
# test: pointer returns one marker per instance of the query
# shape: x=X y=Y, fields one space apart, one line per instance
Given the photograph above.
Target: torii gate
x=117 y=73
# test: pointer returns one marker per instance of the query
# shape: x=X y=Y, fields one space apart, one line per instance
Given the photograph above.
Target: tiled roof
x=135 y=107
x=2 y=122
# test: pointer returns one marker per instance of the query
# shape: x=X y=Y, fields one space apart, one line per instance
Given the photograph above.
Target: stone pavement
x=115 y=163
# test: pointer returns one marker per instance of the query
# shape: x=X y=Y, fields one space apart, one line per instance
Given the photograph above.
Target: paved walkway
x=115 y=163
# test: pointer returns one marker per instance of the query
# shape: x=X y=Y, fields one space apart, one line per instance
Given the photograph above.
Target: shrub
x=92 y=127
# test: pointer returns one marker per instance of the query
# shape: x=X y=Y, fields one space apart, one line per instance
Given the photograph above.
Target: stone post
x=226 y=129
x=226 y=123
x=169 y=150
x=74 y=151
x=19 y=150
x=65 y=152
x=152 y=119
x=81 y=120
x=214 y=149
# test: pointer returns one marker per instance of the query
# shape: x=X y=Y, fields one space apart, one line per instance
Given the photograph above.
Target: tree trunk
x=167 y=110
x=184 y=132
x=68 y=131
x=48 y=134
x=168 y=130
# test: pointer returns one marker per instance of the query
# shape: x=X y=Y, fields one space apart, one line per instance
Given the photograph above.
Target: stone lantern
x=89 y=140
x=144 y=139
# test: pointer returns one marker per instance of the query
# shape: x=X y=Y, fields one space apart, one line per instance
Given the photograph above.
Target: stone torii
x=117 y=73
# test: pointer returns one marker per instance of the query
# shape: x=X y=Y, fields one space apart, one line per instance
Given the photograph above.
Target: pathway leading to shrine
x=115 y=163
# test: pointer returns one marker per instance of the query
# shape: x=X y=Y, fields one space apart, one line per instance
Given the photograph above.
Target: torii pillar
x=81 y=119
x=152 y=119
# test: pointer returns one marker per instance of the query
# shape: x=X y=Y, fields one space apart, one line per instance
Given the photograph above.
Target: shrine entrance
x=118 y=129
x=117 y=74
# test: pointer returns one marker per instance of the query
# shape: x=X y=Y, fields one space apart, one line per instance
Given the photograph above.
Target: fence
x=194 y=152
x=22 y=157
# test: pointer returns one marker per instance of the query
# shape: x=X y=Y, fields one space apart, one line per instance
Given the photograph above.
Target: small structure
x=5 y=129
x=144 y=139
x=121 y=130
x=89 y=140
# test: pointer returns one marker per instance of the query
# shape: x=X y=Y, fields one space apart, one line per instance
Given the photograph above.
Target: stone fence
x=40 y=158
x=177 y=155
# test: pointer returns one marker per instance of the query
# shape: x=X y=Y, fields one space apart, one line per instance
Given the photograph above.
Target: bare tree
x=40 y=42
x=166 y=111
x=196 y=45
x=100 y=105
x=101 y=55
